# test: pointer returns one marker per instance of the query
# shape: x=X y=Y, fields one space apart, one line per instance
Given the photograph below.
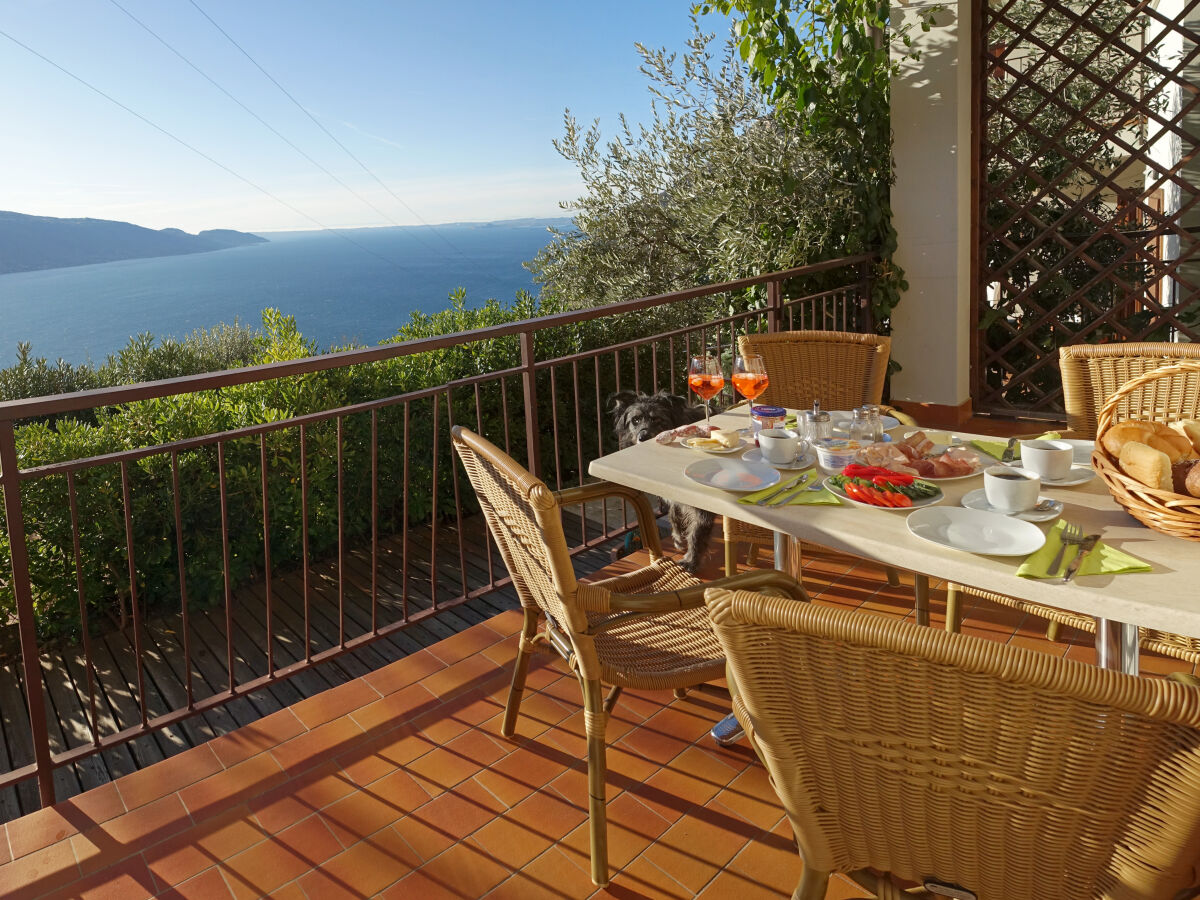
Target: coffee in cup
x=1010 y=490
x=781 y=446
x=1051 y=460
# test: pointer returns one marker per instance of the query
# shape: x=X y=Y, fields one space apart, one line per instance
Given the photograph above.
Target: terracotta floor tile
x=643 y=879
x=280 y=859
x=209 y=885
x=692 y=778
x=403 y=672
x=551 y=876
x=204 y=845
x=458 y=812
x=441 y=770
x=445 y=722
x=252 y=739
x=751 y=796
x=771 y=859
x=298 y=798
x=632 y=827
x=372 y=758
x=507 y=623
x=363 y=812
x=470 y=642
x=232 y=786
x=336 y=701
x=128 y=880
x=395 y=708
x=130 y=833
x=694 y=850
x=503 y=653
x=525 y=831
x=363 y=870
x=167 y=777
x=463 y=675
x=730 y=884
x=80 y=813
x=465 y=870
x=515 y=776
x=40 y=871
x=306 y=750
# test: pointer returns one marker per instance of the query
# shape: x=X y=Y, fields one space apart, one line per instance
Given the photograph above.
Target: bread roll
x=1179 y=474
x=1145 y=464
x=1123 y=432
x=1190 y=429
x=1176 y=446
x=1192 y=482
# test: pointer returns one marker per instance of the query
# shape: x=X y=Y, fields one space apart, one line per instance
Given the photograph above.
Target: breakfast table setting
x=1032 y=519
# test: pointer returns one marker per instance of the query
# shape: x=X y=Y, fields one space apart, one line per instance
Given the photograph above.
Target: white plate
x=755 y=455
x=977 y=499
x=916 y=504
x=732 y=474
x=1077 y=475
x=690 y=443
x=975 y=531
x=840 y=419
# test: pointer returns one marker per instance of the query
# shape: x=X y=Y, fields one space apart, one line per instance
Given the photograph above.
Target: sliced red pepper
x=893 y=478
x=854 y=470
x=855 y=492
x=902 y=500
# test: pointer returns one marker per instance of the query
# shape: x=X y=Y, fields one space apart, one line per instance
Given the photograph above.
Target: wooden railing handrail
x=55 y=404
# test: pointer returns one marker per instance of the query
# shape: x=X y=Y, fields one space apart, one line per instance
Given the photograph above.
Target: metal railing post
x=866 y=281
x=774 y=306
x=529 y=384
x=22 y=590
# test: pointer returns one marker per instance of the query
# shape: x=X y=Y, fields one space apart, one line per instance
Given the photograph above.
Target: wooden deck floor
x=166 y=676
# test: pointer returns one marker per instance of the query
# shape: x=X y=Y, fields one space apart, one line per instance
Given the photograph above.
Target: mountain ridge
x=30 y=243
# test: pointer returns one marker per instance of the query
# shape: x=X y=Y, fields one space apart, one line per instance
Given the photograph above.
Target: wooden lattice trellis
x=1088 y=186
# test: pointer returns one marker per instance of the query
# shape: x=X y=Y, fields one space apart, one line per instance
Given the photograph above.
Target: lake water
x=360 y=289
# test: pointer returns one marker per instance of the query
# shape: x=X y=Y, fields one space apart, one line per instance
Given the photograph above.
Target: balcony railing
x=355 y=514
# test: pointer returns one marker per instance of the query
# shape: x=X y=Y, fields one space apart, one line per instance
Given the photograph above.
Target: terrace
x=272 y=659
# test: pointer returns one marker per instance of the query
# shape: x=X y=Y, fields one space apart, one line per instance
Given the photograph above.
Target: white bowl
x=834 y=454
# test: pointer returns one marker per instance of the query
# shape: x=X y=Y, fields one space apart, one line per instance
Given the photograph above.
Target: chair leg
x=730 y=557
x=595 y=720
x=893 y=576
x=520 y=670
x=953 y=608
x=1052 y=630
x=813 y=885
x=921 y=598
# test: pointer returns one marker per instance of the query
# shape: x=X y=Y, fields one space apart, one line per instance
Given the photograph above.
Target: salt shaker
x=818 y=425
x=876 y=422
x=860 y=426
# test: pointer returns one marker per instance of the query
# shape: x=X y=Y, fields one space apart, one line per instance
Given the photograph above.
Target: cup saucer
x=804 y=462
x=977 y=499
x=1077 y=475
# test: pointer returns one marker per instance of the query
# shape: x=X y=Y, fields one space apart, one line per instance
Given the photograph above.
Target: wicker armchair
x=1090 y=374
x=644 y=630
x=950 y=760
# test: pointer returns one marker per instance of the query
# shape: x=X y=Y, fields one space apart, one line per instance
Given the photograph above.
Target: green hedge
x=104 y=562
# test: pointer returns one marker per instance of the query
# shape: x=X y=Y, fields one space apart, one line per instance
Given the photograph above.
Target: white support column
x=931 y=204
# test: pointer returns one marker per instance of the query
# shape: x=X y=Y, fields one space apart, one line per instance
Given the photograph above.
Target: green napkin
x=1103 y=560
x=804 y=498
x=996 y=448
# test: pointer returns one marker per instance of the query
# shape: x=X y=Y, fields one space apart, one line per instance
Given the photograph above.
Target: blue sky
x=452 y=106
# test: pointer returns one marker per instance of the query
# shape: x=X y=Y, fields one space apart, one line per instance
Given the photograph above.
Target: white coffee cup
x=781 y=446
x=1011 y=490
x=1051 y=460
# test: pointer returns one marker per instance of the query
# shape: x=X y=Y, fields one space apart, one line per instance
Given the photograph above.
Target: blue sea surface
x=355 y=285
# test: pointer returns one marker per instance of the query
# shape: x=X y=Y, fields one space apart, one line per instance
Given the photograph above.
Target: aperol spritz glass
x=705 y=379
x=749 y=379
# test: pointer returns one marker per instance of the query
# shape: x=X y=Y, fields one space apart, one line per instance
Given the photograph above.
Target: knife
x=1085 y=547
x=788 y=485
x=1010 y=451
x=791 y=492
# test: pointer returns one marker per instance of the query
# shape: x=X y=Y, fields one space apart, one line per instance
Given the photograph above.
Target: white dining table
x=1166 y=598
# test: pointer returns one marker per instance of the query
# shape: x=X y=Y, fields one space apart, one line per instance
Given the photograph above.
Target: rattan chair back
x=526 y=523
x=948 y=758
x=1091 y=373
x=841 y=369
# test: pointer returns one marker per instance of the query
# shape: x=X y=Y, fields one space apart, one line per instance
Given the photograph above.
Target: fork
x=1071 y=534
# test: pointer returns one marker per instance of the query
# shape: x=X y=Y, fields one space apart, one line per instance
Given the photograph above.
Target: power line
x=251 y=112
x=200 y=153
x=330 y=135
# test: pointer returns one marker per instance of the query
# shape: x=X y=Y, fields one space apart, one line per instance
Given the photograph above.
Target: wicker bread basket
x=1162 y=395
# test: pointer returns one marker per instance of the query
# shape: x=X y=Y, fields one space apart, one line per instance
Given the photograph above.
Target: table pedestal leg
x=1117 y=646
x=921 y=598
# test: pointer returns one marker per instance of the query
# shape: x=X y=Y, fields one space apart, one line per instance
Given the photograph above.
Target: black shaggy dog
x=639 y=417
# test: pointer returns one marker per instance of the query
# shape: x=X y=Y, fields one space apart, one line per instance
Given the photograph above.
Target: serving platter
x=841 y=494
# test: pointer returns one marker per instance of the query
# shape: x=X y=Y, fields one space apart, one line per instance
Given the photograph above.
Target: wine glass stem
x=706 y=420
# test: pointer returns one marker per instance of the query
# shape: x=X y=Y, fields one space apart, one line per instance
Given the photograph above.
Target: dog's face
x=639 y=417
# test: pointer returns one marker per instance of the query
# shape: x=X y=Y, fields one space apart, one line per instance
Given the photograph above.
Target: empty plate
x=975 y=531
x=977 y=499
x=732 y=474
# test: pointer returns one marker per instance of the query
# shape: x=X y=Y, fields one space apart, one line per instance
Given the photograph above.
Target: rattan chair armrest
x=899 y=415
x=597 y=490
x=693 y=597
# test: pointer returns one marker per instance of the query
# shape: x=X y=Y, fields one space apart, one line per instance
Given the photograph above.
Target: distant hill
x=41 y=242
